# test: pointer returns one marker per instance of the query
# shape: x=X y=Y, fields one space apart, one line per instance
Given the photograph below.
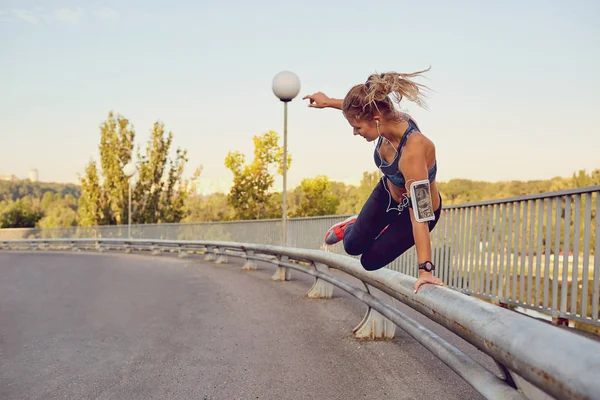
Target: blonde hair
x=373 y=97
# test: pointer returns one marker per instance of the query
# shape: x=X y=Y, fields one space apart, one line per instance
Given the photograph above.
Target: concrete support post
x=250 y=264
x=221 y=256
x=282 y=273
x=321 y=289
x=374 y=325
x=210 y=255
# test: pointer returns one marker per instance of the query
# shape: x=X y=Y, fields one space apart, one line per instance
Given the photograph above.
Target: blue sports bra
x=390 y=170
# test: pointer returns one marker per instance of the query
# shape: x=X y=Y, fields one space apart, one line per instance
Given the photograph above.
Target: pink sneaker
x=336 y=232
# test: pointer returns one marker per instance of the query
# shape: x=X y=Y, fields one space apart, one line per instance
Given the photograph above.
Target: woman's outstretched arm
x=321 y=100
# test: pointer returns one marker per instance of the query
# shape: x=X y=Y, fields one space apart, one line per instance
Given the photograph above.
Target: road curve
x=113 y=326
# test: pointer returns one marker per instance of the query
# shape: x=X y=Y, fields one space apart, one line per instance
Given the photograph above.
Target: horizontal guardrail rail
x=535 y=357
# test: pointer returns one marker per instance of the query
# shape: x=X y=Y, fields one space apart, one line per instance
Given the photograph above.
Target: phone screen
x=421 y=199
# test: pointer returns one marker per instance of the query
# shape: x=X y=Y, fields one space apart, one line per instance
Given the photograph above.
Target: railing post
x=182 y=253
x=250 y=264
x=282 y=273
x=320 y=289
x=374 y=325
x=221 y=257
x=558 y=319
x=210 y=255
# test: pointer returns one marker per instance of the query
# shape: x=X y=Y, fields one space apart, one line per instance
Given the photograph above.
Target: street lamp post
x=286 y=86
x=129 y=170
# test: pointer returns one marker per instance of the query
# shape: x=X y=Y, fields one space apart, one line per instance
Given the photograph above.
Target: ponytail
x=399 y=85
x=364 y=100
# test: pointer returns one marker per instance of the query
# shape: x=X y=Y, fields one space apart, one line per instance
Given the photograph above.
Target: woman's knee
x=371 y=263
x=353 y=247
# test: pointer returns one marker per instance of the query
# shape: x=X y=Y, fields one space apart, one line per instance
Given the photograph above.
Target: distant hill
x=462 y=191
x=14 y=190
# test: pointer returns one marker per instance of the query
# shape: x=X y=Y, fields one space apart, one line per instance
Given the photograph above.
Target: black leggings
x=363 y=236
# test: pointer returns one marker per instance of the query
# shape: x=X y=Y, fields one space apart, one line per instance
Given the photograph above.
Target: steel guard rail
x=535 y=357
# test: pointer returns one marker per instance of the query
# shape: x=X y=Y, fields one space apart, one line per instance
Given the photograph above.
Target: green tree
x=58 y=215
x=250 y=195
x=208 y=208
x=176 y=190
x=58 y=211
x=90 y=212
x=352 y=198
x=22 y=213
x=158 y=195
x=367 y=184
x=316 y=198
x=348 y=195
x=116 y=146
x=161 y=192
x=48 y=198
x=582 y=179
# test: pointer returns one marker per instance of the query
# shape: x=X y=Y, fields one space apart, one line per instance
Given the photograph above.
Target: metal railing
x=514 y=251
x=537 y=252
x=534 y=357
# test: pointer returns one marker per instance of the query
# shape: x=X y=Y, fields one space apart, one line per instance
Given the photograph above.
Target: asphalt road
x=111 y=326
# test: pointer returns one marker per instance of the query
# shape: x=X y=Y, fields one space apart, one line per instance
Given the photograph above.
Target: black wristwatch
x=427 y=266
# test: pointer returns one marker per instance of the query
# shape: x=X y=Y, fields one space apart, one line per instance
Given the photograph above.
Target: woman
x=390 y=222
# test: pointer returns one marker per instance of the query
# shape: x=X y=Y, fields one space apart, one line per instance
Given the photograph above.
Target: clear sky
x=515 y=82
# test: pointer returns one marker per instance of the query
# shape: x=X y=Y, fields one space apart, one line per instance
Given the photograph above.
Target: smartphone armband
x=420 y=195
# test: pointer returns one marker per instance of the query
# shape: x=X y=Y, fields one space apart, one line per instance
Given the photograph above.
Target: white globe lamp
x=286 y=86
x=129 y=169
